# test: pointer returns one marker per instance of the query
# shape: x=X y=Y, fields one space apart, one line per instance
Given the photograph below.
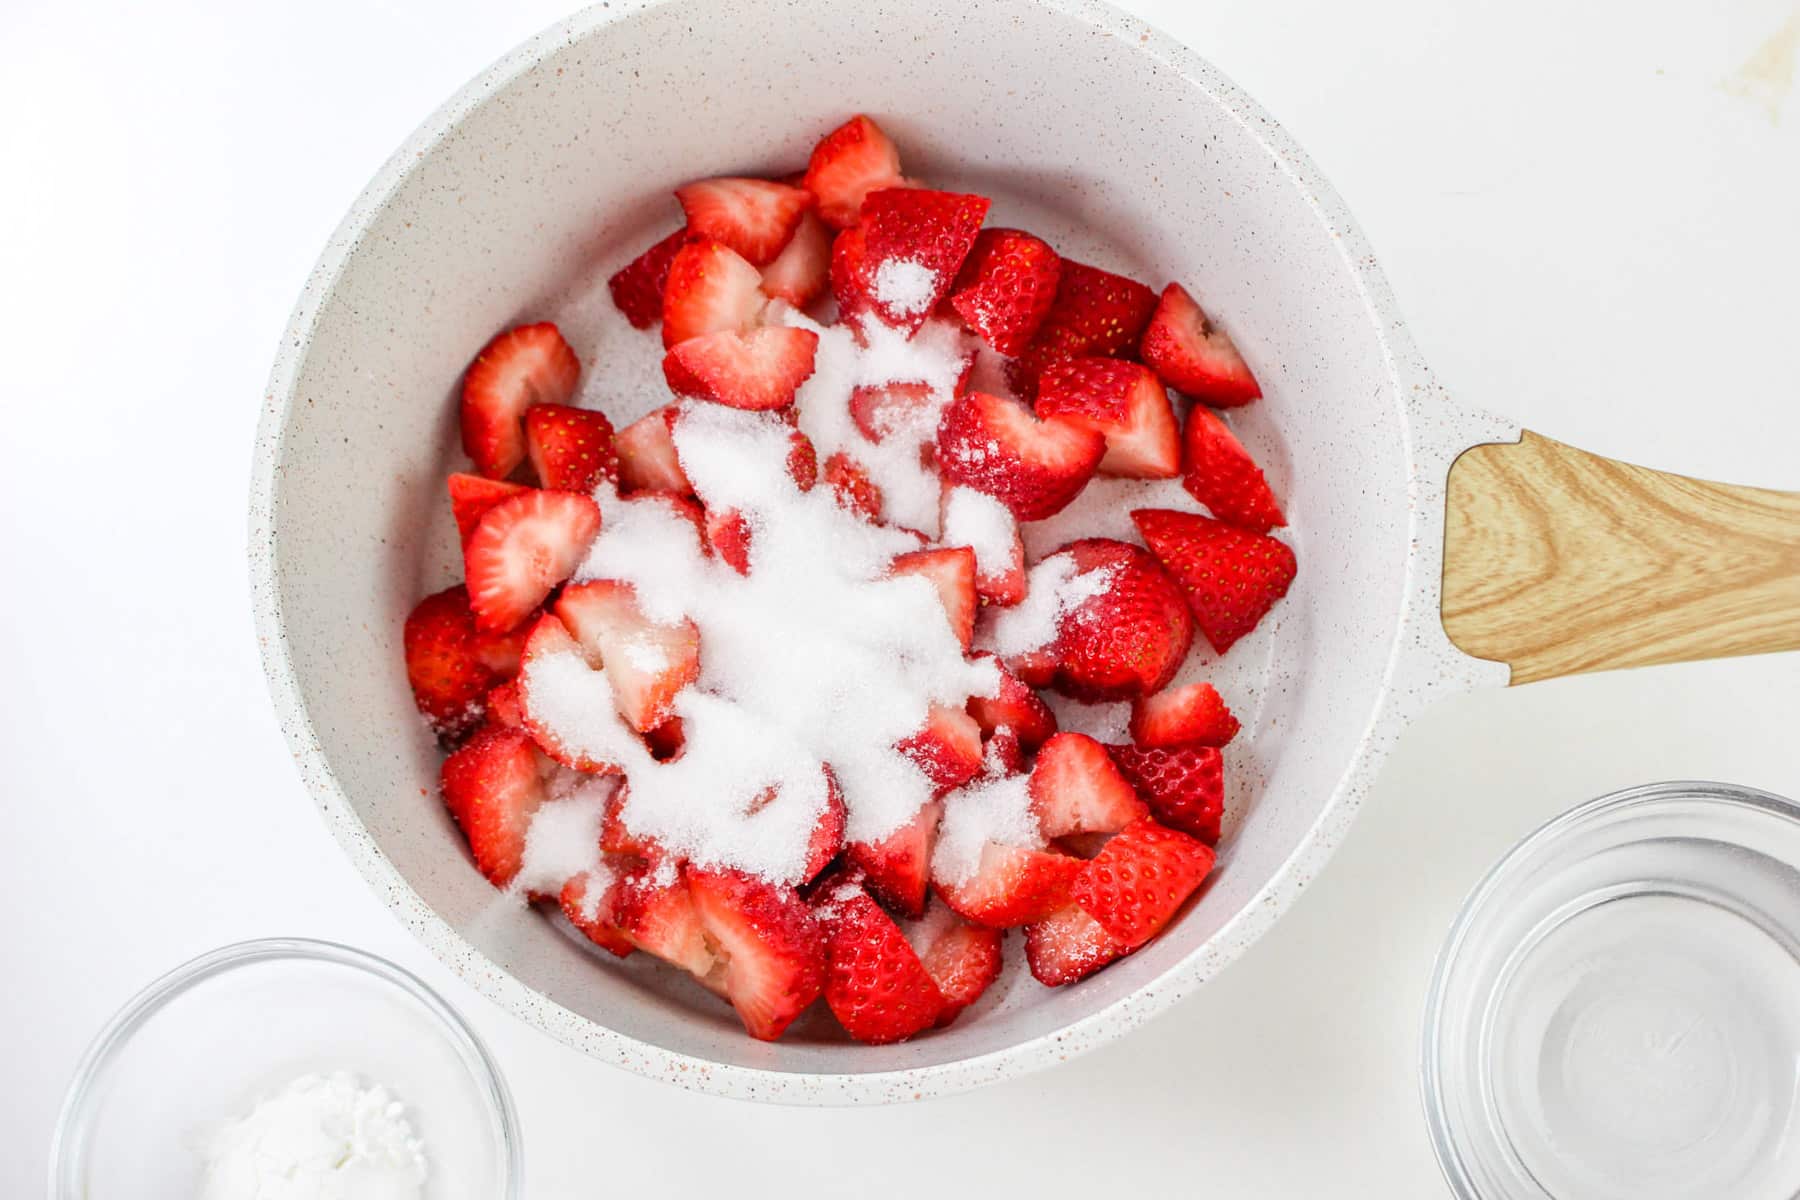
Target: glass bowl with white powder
x=287 y=1069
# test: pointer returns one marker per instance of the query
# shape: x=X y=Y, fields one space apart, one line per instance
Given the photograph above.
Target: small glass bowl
x=203 y=1044
x=1616 y=1012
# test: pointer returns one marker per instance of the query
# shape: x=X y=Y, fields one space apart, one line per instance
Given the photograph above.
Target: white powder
x=905 y=285
x=1053 y=588
x=977 y=520
x=322 y=1137
x=563 y=840
x=989 y=810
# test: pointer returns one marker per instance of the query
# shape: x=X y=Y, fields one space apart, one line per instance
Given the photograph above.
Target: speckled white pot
x=1089 y=125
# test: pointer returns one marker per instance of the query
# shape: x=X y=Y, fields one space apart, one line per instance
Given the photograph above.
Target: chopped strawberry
x=802 y=461
x=1012 y=886
x=968 y=517
x=728 y=536
x=637 y=288
x=854 y=490
x=660 y=916
x=473 y=495
x=800 y=272
x=1013 y=706
x=503 y=707
x=852 y=281
x=616 y=838
x=996 y=445
x=571 y=448
x=881 y=410
x=1232 y=576
x=647 y=459
x=1222 y=475
x=1193 y=355
x=492 y=786
x=851 y=161
x=550 y=643
x=646 y=663
x=916 y=242
x=501 y=652
x=1095 y=312
x=1192 y=715
x=519 y=368
x=1006 y=287
x=450 y=683
x=948 y=749
x=1002 y=756
x=1069 y=945
x=1129 y=638
x=962 y=959
x=1123 y=402
x=1185 y=787
x=710 y=289
x=1134 y=885
x=875 y=984
x=899 y=866
x=521 y=549
x=592 y=914
x=827 y=840
x=773 y=949
x=952 y=572
x=666 y=741
x=754 y=217
x=758 y=369
x=1076 y=788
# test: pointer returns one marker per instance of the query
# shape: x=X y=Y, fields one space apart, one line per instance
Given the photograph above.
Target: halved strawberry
x=647 y=459
x=996 y=445
x=710 y=288
x=1193 y=355
x=637 y=288
x=659 y=916
x=549 y=647
x=503 y=706
x=754 y=217
x=492 y=786
x=521 y=367
x=952 y=572
x=450 y=682
x=854 y=490
x=1095 y=312
x=773 y=949
x=1192 y=715
x=646 y=663
x=1069 y=945
x=972 y=518
x=881 y=410
x=948 y=749
x=1076 y=788
x=1012 y=886
x=756 y=369
x=1129 y=638
x=1232 y=576
x=1135 y=884
x=1123 y=402
x=571 y=448
x=1185 y=786
x=851 y=161
x=592 y=914
x=875 y=984
x=473 y=495
x=916 y=241
x=1014 y=706
x=852 y=282
x=898 y=867
x=1006 y=287
x=1222 y=475
x=800 y=272
x=962 y=959
x=521 y=549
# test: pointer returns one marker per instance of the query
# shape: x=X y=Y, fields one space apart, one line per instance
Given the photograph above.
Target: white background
x=1589 y=230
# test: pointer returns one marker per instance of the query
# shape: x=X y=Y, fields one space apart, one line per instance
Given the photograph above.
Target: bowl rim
x=69 y=1142
x=1421 y=664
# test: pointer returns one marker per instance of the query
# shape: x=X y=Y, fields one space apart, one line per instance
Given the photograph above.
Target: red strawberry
x=1069 y=945
x=1012 y=886
x=1076 y=788
x=1014 y=706
x=1095 y=312
x=571 y=448
x=800 y=272
x=710 y=289
x=637 y=288
x=853 y=160
x=852 y=280
x=521 y=367
x=1130 y=638
x=666 y=741
x=592 y=914
x=948 y=749
x=549 y=642
x=1193 y=355
x=450 y=683
x=1232 y=576
x=1123 y=402
x=1135 y=884
x=874 y=982
x=757 y=369
x=728 y=536
x=967 y=517
x=854 y=490
x=962 y=959
x=773 y=949
x=492 y=786
x=827 y=840
x=916 y=241
x=1184 y=787
x=646 y=663
x=1001 y=755
x=473 y=495
x=881 y=410
x=503 y=706
x=647 y=459
x=802 y=461
x=899 y=865
x=1192 y=715
x=996 y=445
x=754 y=217
x=1222 y=475
x=952 y=573
x=615 y=838
x=521 y=549
x=1006 y=287
x=660 y=917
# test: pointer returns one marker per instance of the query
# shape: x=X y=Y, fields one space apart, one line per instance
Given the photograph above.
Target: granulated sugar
x=977 y=520
x=905 y=286
x=563 y=840
x=988 y=810
x=1054 y=587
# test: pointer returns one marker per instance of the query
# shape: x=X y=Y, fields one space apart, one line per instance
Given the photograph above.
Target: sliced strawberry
x=916 y=241
x=852 y=280
x=851 y=161
x=962 y=959
x=592 y=914
x=881 y=410
x=968 y=517
x=1129 y=638
x=898 y=867
x=800 y=272
x=1222 y=475
x=758 y=369
x=571 y=448
x=773 y=949
x=1134 y=886
x=952 y=572
x=1232 y=576
x=637 y=288
x=1076 y=788
x=657 y=914
x=1193 y=355
x=1121 y=401
x=1185 y=787
x=549 y=646
x=492 y=786
x=948 y=749
x=473 y=495
x=1012 y=886
x=503 y=706
x=1192 y=715
x=728 y=536
x=1014 y=706
x=875 y=984
x=1006 y=288
x=646 y=663
x=450 y=683
x=854 y=490
x=827 y=840
x=710 y=289
x=754 y=217
x=521 y=549
x=996 y=445
x=1069 y=945
x=521 y=367
x=1095 y=312
x=647 y=459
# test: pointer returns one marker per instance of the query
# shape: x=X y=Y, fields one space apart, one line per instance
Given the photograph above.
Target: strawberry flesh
x=529 y=365
x=1193 y=715
x=1013 y=706
x=801 y=271
x=521 y=549
x=952 y=573
x=772 y=949
x=492 y=787
x=898 y=867
x=851 y=161
x=1194 y=356
x=1123 y=402
x=754 y=217
x=711 y=288
x=473 y=495
x=1068 y=945
x=646 y=663
x=647 y=458
x=756 y=369
x=1012 y=885
x=996 y=445
x=1076 y=788
x=948 y=749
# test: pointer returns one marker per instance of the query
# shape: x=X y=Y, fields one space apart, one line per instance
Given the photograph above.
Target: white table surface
x=1590 y=228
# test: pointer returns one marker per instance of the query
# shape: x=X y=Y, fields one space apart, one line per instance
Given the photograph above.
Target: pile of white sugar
x=322 y=1137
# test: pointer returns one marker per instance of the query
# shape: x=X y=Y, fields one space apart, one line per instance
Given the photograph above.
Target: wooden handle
x=1557 y=561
